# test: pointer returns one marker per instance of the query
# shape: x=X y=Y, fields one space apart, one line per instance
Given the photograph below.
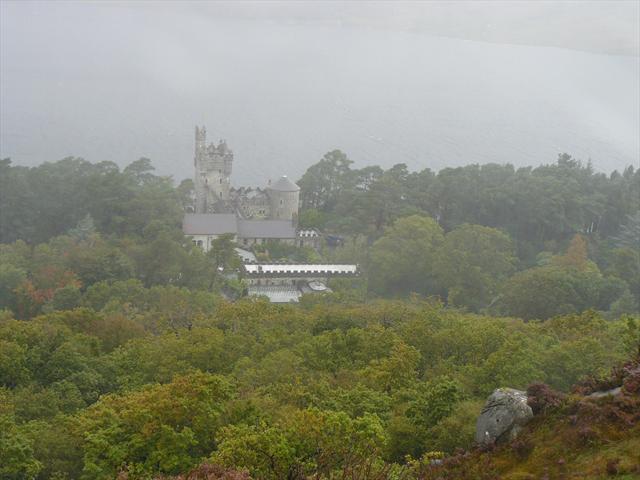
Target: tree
x=167 y=259
x=455 y=431
x=543 y=292
x=308 y=442
x=385 y=200
x=576 y=256
x=11 y=278
x=396 y=371
x=16 y=452
x=186 y=193
x=402 y=260
x=99 y=261
x=311 y=218
x=140 y=171
x=158 y=430
x=321 y=183
x=629 y=235
x=65 y=298
x=84 y=229
x=223 y=257
x=473 y=263
x=624 y=263
x=14 y=366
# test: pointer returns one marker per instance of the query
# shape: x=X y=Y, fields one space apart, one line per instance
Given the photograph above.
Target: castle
x=214 y=194
x=252 y=215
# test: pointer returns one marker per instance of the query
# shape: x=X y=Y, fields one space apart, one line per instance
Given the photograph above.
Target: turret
x=201 y=143
x=213 y=166
x=284 y=197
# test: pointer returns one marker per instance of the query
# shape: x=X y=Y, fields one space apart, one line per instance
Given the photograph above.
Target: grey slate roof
x=276 y=294
x=209 y=223
x=283 y=184
x=266 y=229
x=219 y=223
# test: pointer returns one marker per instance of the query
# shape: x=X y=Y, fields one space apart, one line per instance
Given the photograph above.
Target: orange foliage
x=33 y=293
x=576 y=256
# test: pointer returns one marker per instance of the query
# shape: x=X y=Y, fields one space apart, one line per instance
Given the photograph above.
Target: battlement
x=213 y=164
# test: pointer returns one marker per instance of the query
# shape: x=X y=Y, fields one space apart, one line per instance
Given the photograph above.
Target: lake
x=284 y=94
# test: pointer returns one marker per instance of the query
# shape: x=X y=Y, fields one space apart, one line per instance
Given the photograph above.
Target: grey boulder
x=503 y=416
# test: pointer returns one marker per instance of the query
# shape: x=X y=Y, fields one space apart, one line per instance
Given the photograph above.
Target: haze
x=426 y=84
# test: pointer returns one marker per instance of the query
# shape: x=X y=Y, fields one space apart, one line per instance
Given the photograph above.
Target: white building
x=286 y=282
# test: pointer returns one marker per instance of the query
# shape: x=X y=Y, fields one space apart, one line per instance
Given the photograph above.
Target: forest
x=125 y=353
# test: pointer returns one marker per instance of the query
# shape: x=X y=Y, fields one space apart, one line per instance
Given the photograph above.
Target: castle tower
x=212 y=174
x=284 y=198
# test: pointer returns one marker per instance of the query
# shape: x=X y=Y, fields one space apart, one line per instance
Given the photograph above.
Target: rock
x=613 y=392
x=503 y=416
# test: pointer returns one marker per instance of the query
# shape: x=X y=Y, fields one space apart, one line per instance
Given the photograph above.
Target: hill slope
x=586 y=435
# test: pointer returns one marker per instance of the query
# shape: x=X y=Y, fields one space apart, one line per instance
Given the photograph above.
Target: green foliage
x=540 y=209
x=624 y=263
x=18 y=461
x=171 y=379
x=544 y=292
x=160 y=429
x=126 y=224
x=45 y=201
x=457 y=430
x=312 y=218
x=57 y=445
x=118 y=355
x=403 y=258
x=323 y=181
x=284 y=252
x=84 y=229
x=629 y=232
x=16 y=449
x=595 y=438
x=473 y=264
x=306 y=442
x=11 y=277
x=65 y=298
x=534 y=206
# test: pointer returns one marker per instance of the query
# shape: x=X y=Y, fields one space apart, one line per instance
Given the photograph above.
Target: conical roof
x=283 y=184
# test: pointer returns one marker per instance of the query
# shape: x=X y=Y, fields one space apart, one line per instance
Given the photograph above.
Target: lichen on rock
x=503 y=416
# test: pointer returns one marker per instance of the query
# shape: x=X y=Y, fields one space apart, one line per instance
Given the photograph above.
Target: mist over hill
x=120 y=83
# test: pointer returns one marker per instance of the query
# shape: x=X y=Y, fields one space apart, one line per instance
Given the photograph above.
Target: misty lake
x=284 y=94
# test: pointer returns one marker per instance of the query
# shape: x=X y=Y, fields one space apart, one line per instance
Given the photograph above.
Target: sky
x=430 y=84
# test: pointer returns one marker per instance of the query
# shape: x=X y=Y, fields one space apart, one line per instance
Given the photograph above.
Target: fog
x=429 y=85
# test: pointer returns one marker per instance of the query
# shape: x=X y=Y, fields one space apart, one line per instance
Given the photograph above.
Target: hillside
x=120 y=357
x=586 y=435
